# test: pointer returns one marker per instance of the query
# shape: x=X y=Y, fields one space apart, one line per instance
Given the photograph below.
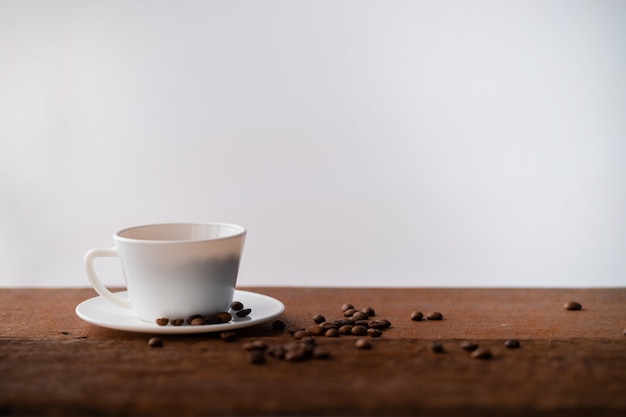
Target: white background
x=362 y=143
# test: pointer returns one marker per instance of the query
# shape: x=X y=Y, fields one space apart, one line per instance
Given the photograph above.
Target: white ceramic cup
x=174 y=270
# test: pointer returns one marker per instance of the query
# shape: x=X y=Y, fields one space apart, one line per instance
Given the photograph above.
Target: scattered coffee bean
x=321 y=353
x=374 y=332
x=300 y=334
x=359 y=315
x=318 y=318
x=295 y=355
x=434 y=315
x=332 y=333
x=365 y=323
x=197 y=321
x=349 y=312
x=573 y=305
x=162 y=321
x=244 y=312
x=293 y=330
x=255 y=345
x=236 y=305
x=177 y=322
x=369 y=311
x=256 y=357
x=316 y=330
x=359 y=330
x=278 y=325
x=436 y=347
x=346 y=306
x=482 y=354
x=469 y=346
x=224 y=316
x=228 y=336
x=342 y=322
x=384 y=323
x=363 y=344
x=155 y=342
x=512 y=343
x=417 y=316
x=345 y=329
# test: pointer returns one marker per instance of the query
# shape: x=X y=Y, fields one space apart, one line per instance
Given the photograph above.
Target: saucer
x=103 y=313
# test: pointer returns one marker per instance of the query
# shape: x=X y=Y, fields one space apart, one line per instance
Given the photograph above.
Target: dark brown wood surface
x=571 y=363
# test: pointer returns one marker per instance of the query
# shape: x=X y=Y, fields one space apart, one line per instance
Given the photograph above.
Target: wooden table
x=570 y=363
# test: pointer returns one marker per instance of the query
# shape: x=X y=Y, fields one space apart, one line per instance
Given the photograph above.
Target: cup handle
x=90 y=256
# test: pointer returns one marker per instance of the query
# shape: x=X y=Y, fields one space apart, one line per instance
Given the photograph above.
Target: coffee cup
x=173 y=270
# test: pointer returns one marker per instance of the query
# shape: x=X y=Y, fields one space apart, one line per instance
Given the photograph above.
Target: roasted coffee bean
x=293 y=330
x=376 y=325
x=278 y=325
x=512 y=343
x=277 y=351
x=318 y=318
x=359 y=330
x=255 y=345
x=224 y=316
x=195 y=316
x=349 y=312
x=434 y=315
x=212 y=319
x=326 y=325
x=346 y=306
x=345 y=329
x=417 y=316
x=482 y=354
x=236 y=305
x=384 y=323
x=469 y=346
x=374 y=332
x=177 y=322
x=342 y=322
x=365 y=323
x=197 y=321
x=359 y=315
x=363 y=344
x=295 y=355
x=300 y=334
x=155 y=342
x=228 y=336
x=369 y=311
x=244 y=312
x=332 y=333
x=162 y=321
x=256 y=357
x=308 y=340
x=573 y=305
x=436 y=347
x=316 y=330
x=321 y=353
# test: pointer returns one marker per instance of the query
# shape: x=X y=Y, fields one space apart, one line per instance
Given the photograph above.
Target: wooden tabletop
x=569 y=362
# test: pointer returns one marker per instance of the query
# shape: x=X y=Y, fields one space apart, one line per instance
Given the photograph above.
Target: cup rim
x=240 y=231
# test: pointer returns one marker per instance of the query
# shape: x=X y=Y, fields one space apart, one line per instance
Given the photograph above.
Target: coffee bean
x=228 y=336
x=359 y=315
x=316 y=330
x=384 y=323
x=255 y=345
x=278 y=325
x=365 y=323
x=295 y=355
x=256 y=357
x=573 y=305
x=277 y=351
x=346 y=306
x=417 y=316
x=342 y=322
x=326 y=325
x=512 y=343
x=197 y=321
x=363 y=344
x=244 y=312
x=375 y=325
x=349 y=312
x=436 y=347
x=191 y=318
x=321 y=353
x=162 y=321
x=345 y=329
x=359 y=330
x=332 y=333
x=155 y=342
x=224 y=316
x=212 y=319
x=482 y=354
x=434 y=315
x=300 y=334
x=293 y=330
x=374 y=332
x=236 y=305
x=369 y=311
x=318 y=318
x=469 y=346
x=177 y=322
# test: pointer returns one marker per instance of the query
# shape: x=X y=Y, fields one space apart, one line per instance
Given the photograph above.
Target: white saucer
x=103 y=313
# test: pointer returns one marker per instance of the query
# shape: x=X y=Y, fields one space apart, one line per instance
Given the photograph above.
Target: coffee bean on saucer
x=512 y=343
x=417 y=316
x=244 y=312
x=236 y=305
x=434 y=315
x=573 y=305
x=197 y=321
x=318 y=318
x=482 y=354
x=155 y=342
x=363 y=344
x=469 y=346
x=162 y=321
x=224 y=316
x=190 y=318
x=177 y=322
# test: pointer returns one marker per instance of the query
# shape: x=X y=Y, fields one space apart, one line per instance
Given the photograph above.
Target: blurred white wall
x=373 y=143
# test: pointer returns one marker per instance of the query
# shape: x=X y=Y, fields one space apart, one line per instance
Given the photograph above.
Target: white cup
x=174 y=270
